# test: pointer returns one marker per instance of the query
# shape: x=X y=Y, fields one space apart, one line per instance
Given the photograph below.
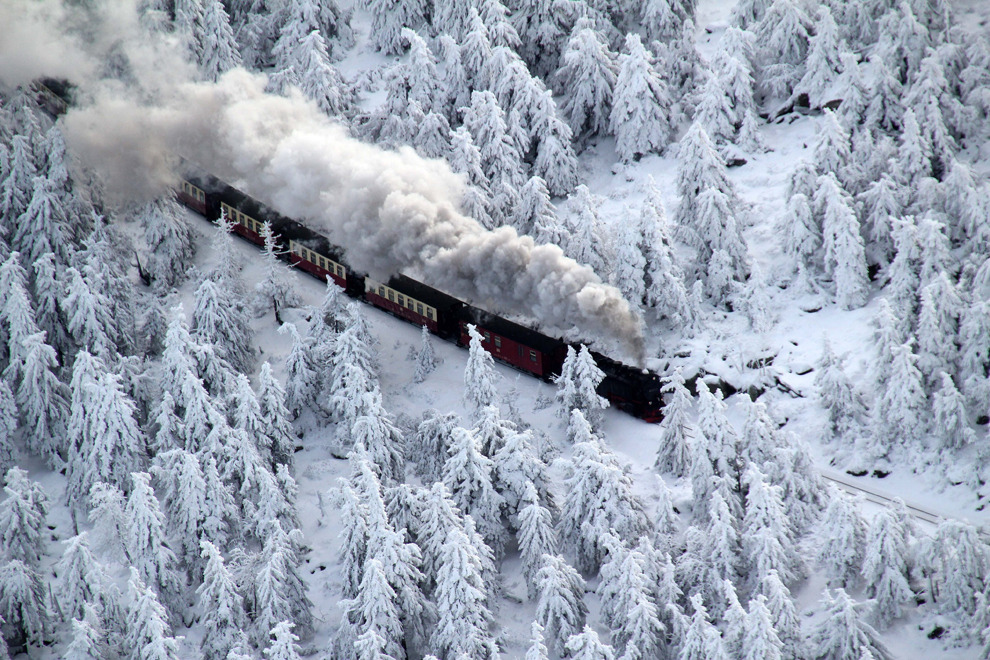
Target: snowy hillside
x=780 y=206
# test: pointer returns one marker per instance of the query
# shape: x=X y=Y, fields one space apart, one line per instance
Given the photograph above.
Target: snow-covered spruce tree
x=761 y=641
x=938 y=326
x=577 y=387
x=480 y=379
x=782 y=614
x=8 y=427
x=956 y=561
x=374 y=610
x=284 y=643
x=500 y=157
x=700 y=639
x=221 y=607
x=823 y=65
x=536 y=537
x=722 y=444
x=715 y=112
x=517 y=466
x=589 y=243
x=700 y=168
x=462 y=603
x=169 y=240
x=587 y=77
x=41 y=400
x=599 y=497
x=542 y=26
x=845 y=256
x=17 y=184
x=218 y=321
x=802 y=234
x=302 y=382
x=384 y=442
x=844 y=633
x=897 y=417
x=17 y=315
x=950 y=424
x=184 y=499
x=629 y=268
x=673 y=455
x=146 y=541
x=467 y=473
x=747 y=14
x=41 y=227
x=586 y=645
x=662 y=277
x=641 y=105
x=879 y=204
x=433 y=438
x=721 y=552
x=556 y=161
x=426 y=358
x=633 y=617
x=277 y=435
x=885 y=567
x=88 y=639
x=219 y=48
x=838 y=396
x=535 y=214
x=560 y=607
x=23 y=514
x=766 y=533
x=24 y=607
x=277 y=591
x=50 y=313
x=782 y=46
x=149 y=634
x=90 y=322
x=107 y=514
x=274 y=290
x=842 y=535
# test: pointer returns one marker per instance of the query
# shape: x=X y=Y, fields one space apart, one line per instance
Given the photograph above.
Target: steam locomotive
x=635 y=391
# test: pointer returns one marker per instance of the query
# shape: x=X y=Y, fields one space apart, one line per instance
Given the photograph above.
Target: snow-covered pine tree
x=577 y=387
x=24 y=607
x=41 y=400
x=374 y=610
x=766 y=534
x=641 y=116
x=219 y=49
x=426 y=358
x=277 y=435
x=221 y=606
x=587 y=78
x=8 y=427
x=897 y=417
x=146 y=544
x=41 y=227
x=950 y=424
x=149 y=634
x=761 y=641
x=433 y=438
x=589 y=241
x=838 y=396
x=556 y=161
x=823 y=65
x=461 y=597
x=467 y=473
x=782 y=46
x=302 y=382
x=284 y=643
x=885 y=567
x=560 y=607
x=278 y=592
x=23 y=515
x=169 y=240
x=586 y=645
x=480 y=379
x=18 y=182
x=700 y=639
x=845 y=255
x=673 y=455
x=714 y=111
x=88 y=639
x=637 y=631
x=700 y=168
x=955 y=559
x=274 y=290
x=542 y=26
x=842 y=536
x=373 y=429
x=844 y=632
x=536 y=537
x=218 y=321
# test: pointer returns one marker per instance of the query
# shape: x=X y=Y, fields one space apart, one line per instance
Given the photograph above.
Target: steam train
x=635 y=391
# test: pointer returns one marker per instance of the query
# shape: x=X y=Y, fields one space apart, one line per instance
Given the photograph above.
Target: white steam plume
x=389 y=210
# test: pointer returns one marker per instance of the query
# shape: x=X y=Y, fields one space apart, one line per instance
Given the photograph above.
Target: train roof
x=513 y=331
x=423 y=293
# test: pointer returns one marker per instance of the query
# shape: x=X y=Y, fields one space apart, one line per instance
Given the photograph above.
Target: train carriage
x=515 y=344
x=416 y=302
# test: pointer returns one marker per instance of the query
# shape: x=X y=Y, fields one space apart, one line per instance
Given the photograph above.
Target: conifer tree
x=542 y=26
x=274 y=290
x=845 y=256
x=219 y=49
x=88 y=639
x=302 y=381
x=41 y=400
x=148 y=630
x=700 y=168
x=589 y=242
x=221 y=606
x=587 y=76
x=41 y=227
x=278 y=592
x=276 y=432
x=838 y=396
x=897 y=412
x=374 y=610
x=642 y=105
x=384 y=442
x=843 y=532
x=462 y=602
x=107 y=513
x=663 y=278
x=844 y=633
x=467 y=473
x=480 y=379
x=15 y=186
x=433 y=439
x=823 y=64
x=951 y=422
x=701 y=640
x=517 y=465
x=560 y=608
x=80 y=578
x=782 y=43
x=145 y=540
x=23 y=515
x=885 y=567
x=536 y=537
x=24 y=606
x=284 y=643
x=8 y=426
x=426 y=358
x=577 y=386
x=556 y=161
x=761 y=641
x=766 y=533
x=783 y=615
x=715 y=112
x=218 y=321
x=586 y=645
x=673 y=455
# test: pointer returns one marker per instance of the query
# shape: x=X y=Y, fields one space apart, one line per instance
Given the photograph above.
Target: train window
x=498 y=342
x=419 y=308
x=411 y=304
x=532 y=356
x=401 y=300
x=381 y=291
x=391 y=295
x=429 y=313
x=488 y=336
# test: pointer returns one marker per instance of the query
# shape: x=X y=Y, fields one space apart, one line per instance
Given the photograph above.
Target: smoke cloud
x=391 y=211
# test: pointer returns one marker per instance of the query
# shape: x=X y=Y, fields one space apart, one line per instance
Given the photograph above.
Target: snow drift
x=390 y=210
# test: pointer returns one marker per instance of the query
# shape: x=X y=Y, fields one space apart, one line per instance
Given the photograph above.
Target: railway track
x=847 y=484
